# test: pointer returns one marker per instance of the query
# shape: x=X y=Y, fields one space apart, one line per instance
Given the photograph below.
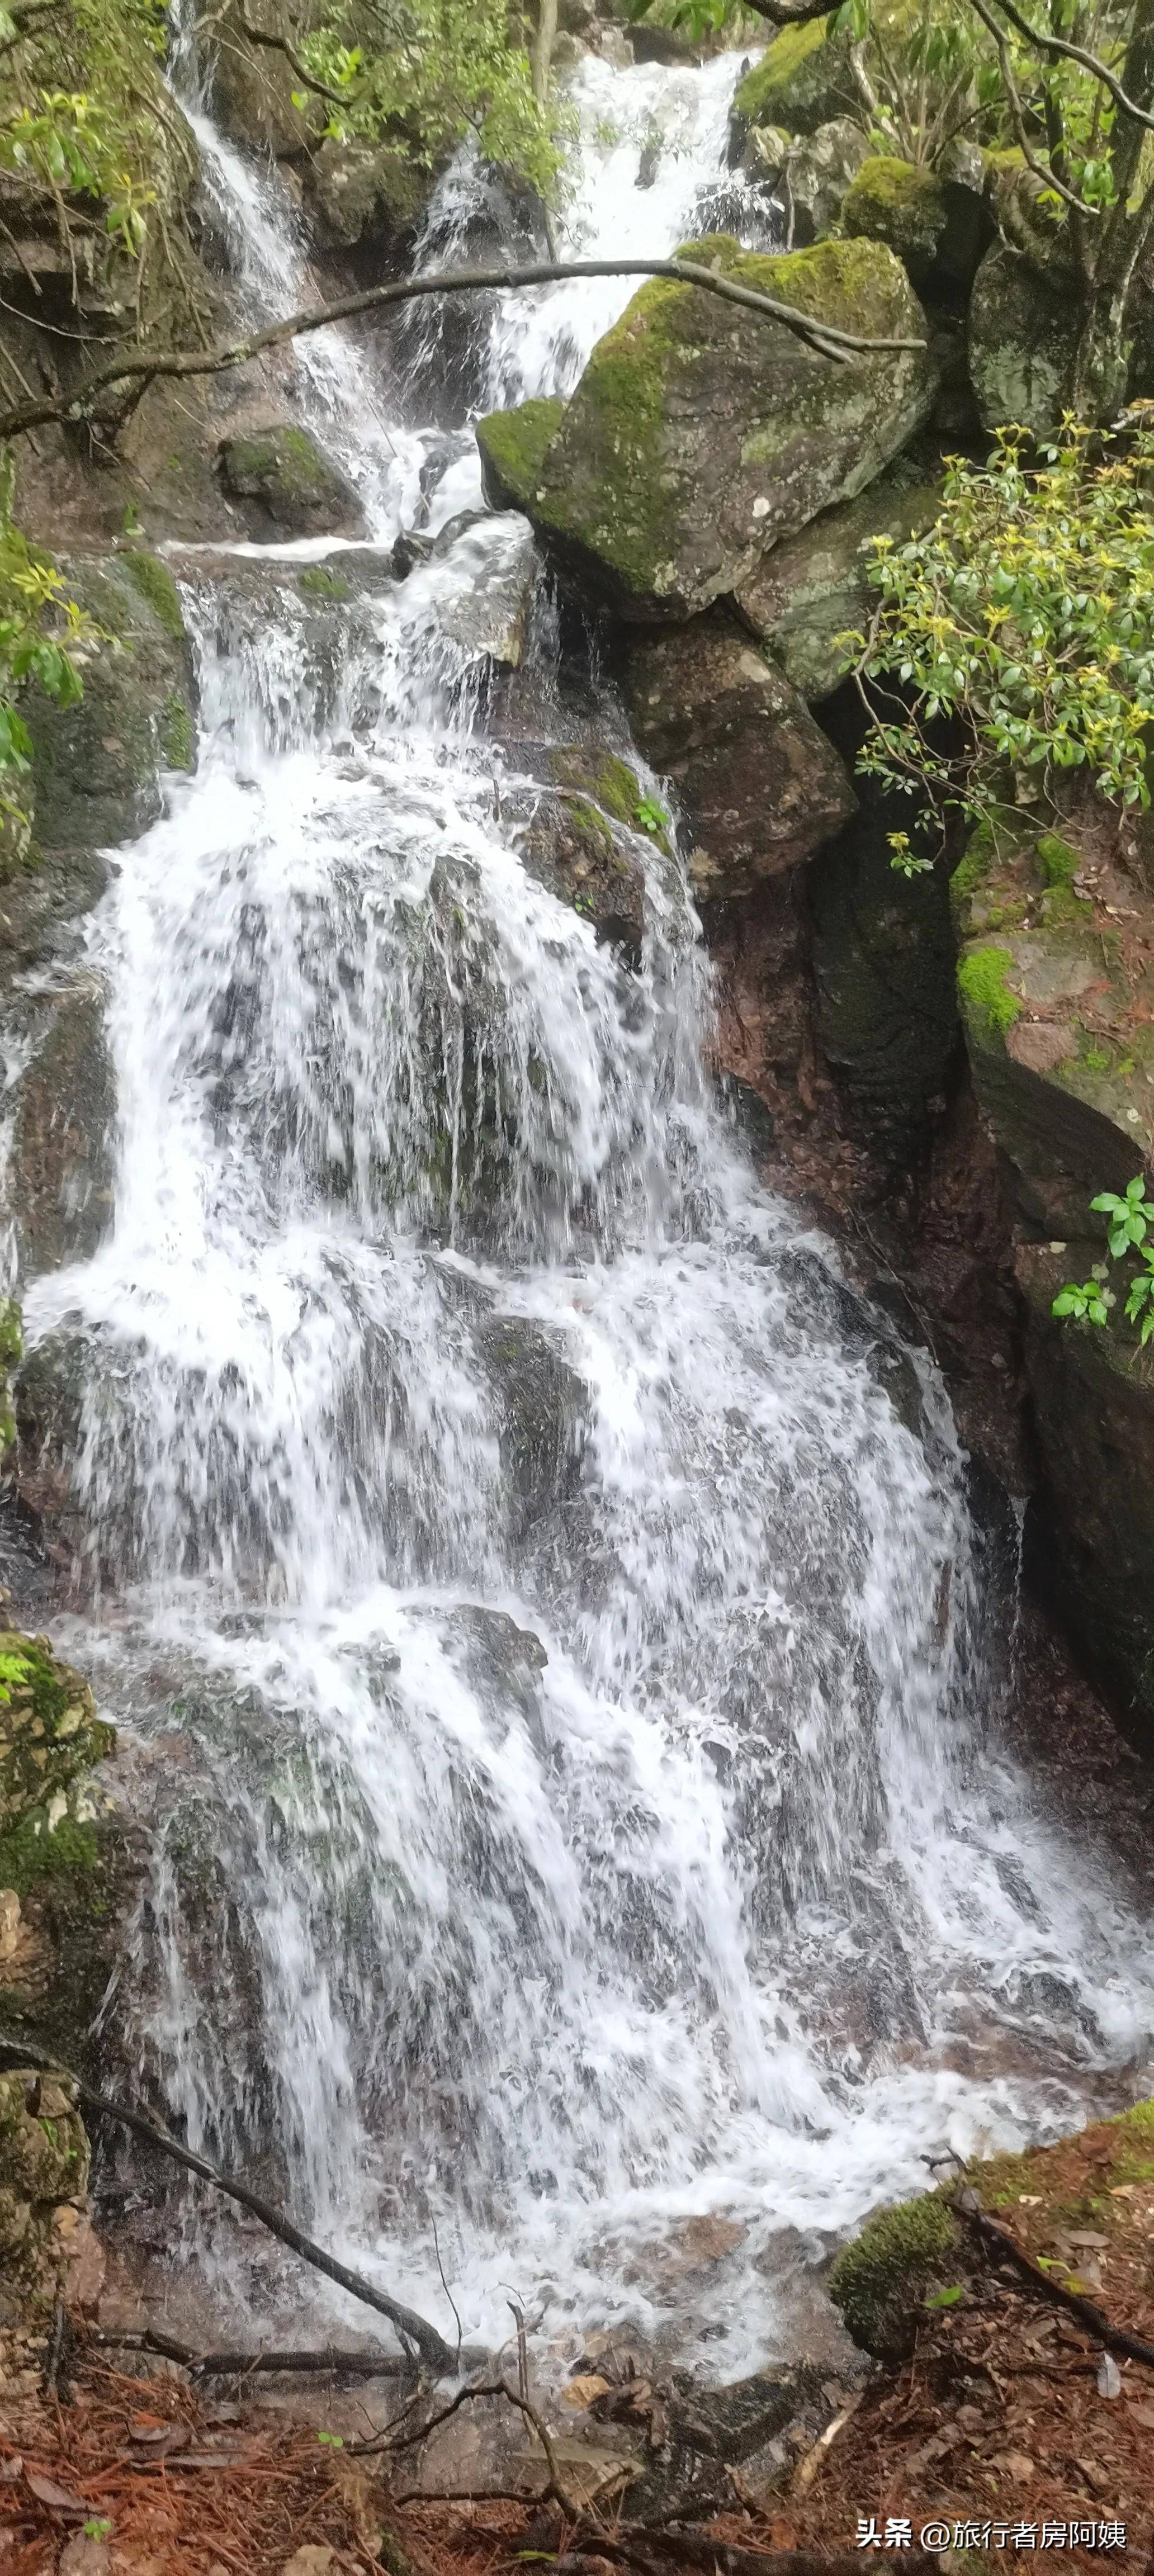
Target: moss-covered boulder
x=761 y=785
x=1092 y=1405
x=96 y=767
x=881 y=2282
x=1055 y=994
x=805 y=78
x=701 y=434
x=807 y=594
x=937 y=227
x=366 y=196
x=1019 y=340
x=292 y=488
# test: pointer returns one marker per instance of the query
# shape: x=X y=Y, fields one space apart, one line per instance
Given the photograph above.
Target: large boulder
x=701 y=434
x=762 y=786
x=1092 y=1398
x=808 y=593
x=1020 y=342
x=814 y=172
x=96 y=766
x=938 y=227
x=292 y=488
x=1052 y=985
x=804 y=78
x=363 y=196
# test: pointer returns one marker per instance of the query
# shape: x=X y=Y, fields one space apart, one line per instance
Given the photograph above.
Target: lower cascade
x=542 y=1593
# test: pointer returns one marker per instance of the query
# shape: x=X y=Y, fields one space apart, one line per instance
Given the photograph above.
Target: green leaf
x=944 y=2298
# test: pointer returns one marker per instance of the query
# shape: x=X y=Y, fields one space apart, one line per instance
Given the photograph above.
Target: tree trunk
x=1095 y=390
x=541 y=56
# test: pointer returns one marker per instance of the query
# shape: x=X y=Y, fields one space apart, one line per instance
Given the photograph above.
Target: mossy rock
x=937 y=228
x=809 y=593
x=513 y=446
x=293 y=489
x=584 y=840
x=882 y=2281
x=364 y=195
x=820 y=168
x=96 y=767
x=1019 y=341
x=1068 y=1101
x=44 y=2169
x=805 y=77
x=50 y=1738
x=694 y=441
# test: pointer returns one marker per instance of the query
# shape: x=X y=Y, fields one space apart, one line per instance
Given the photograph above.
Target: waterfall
x=543 y=1591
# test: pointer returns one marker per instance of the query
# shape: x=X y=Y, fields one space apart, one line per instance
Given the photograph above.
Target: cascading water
x=565 y=1650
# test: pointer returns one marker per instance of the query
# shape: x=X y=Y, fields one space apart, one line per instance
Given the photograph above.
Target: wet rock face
x=543 y=1420
x=96 y=766
x=60 y=1180
x=1092 y=1401
x=363 y=196
x=700 y=435
x=584 y=838
x=762 y=786
x=291 y=487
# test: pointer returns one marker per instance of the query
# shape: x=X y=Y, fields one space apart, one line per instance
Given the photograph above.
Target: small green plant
x=332 y=2441
x=97 y=2527
x=14 y=1669
x=904 y=859
x=651 y=815
x=130 y=524
x=944 y=2298
x=1129 y=1218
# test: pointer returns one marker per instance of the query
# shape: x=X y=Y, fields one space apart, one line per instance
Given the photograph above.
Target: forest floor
x=1009 y=2429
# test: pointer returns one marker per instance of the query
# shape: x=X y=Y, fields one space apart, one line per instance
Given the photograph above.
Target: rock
x=811 y=590
x=543 y=1415
x=762 y=786
x=804 y=80
x=363 y=195
x=50 y=1738
x=700 y=435
x=883 y=964
x=44 y=2164
x=292 y=487
x=880 y=2282
x=253 y=85
x=84 y=2556
x=1020 y=343
x=1054 y=1017
x=817 y=171
x=585 y=840
x=96 y=767
x=938 y=227
x=513 y=446
x=1092 y=1403
x=485 y=591
x=58 y=1181
x=314 y=2558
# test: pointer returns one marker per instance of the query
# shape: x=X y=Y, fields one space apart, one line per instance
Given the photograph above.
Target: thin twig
x=553 y=2491
x=431 y=2345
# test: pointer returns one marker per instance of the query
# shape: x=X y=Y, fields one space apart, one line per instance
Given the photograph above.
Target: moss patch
x=177 y=733
x=155 y=584
x=989 y=1006
x=513 y=445
x=881 y=2281
x=803 y=79
x=318 y=581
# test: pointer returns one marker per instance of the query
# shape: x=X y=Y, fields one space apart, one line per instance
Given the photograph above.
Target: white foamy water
x=574 y=1811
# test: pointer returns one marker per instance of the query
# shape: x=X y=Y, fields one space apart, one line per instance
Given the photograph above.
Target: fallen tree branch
x=999 y=2242
x=146 y=365
x=554 y=2492
x=244 y=2365
x=434 y=2351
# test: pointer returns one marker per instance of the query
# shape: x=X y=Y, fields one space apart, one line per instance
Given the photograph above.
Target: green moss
x=513 y=446
x=795 y=75
x=881 y=2280
x=31 y=1852
x=50 y=1733
x=989 y=1006
x=1060 y=863
x=894 y=201
x=155 y=584
x=319 y=581
x=177 y=733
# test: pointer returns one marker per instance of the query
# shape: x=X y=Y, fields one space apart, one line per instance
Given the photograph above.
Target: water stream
x=549 y=1594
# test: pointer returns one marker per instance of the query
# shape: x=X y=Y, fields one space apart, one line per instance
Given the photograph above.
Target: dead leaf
x=58 y=2499
x=1143 y=2415
x=1084 y=2236
x=581 y=2391
x=1108 y=2376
